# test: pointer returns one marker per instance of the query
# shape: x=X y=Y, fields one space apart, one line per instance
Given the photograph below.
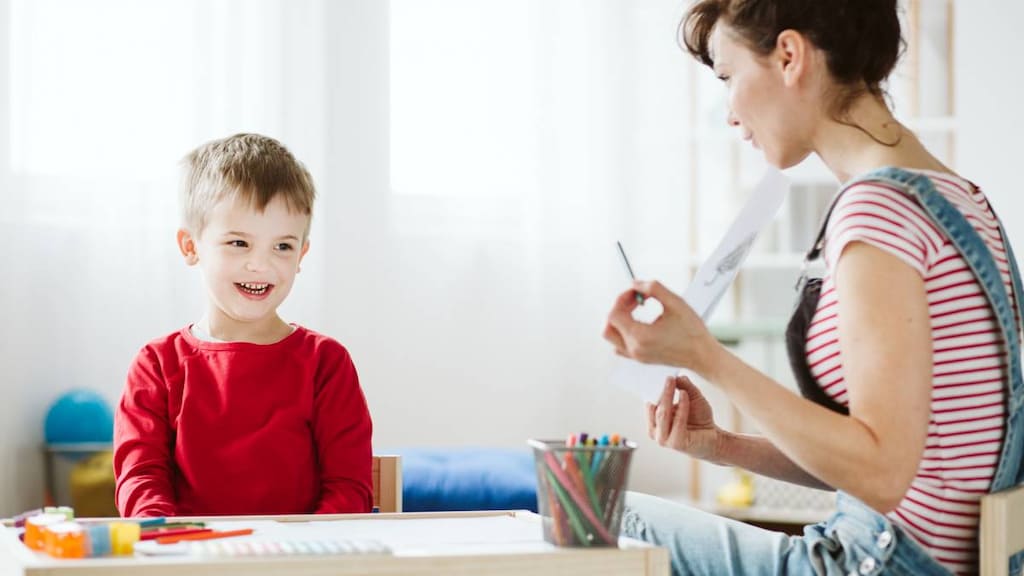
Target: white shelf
x=766 y=514
x=742 y=330
x=757 y=513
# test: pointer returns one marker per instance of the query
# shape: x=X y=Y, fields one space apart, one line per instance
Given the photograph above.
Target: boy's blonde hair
x=250 y=167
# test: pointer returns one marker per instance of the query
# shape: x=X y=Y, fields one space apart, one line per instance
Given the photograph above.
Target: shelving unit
x=752 y=316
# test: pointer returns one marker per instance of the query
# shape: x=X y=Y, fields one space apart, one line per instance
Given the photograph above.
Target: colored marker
x=560 y=478
x=584 y=456
x=209 y=535
x=567 y=507
x=175 y=526
x=557 y=514
x=629 y=270
x=158 y=534
x=595 y=464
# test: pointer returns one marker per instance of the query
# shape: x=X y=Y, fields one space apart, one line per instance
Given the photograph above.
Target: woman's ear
x=792 y=51
x=187 y=246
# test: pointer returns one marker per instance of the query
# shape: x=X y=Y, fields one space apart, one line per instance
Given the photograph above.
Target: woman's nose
x=731 y=119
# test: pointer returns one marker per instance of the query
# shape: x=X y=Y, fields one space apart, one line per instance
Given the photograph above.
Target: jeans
x=854 y=540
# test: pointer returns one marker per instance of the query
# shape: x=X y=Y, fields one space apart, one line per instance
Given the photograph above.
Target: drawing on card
x=731 y=261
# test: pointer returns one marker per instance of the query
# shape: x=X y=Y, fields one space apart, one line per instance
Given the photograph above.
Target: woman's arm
x=886 y=344
x=757 y=454
x=885 y=338
x=684 y=421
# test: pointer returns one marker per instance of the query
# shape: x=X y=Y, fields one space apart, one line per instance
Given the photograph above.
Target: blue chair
x=466 y=478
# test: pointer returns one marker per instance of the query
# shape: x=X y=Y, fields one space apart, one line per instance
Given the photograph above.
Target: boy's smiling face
x=249 y=259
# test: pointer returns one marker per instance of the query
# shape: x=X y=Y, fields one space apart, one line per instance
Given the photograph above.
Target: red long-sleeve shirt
x=242 y=428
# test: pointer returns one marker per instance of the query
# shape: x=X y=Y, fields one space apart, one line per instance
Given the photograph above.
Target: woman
x=907 y=352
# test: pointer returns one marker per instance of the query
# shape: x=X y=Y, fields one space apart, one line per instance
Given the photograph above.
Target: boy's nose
x=255 y=263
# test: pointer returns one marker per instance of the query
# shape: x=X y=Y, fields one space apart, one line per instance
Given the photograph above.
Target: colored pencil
x=580 y=500
x=212 y=534
x=158 y=534
x=574 y=519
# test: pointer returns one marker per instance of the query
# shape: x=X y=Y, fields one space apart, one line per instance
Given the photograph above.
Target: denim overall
x=855 y=539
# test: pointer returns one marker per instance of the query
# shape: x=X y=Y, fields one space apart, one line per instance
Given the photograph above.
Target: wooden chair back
x=1002 y=530
x=387 y=483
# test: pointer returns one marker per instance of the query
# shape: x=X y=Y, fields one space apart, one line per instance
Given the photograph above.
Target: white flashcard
x=712 y=279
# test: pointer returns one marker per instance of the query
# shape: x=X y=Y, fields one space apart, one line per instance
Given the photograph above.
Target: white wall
x=504 y=345
x=989 y=109
x=474 y=337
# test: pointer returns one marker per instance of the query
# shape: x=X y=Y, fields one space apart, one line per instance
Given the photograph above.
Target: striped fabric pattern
x=965 y=431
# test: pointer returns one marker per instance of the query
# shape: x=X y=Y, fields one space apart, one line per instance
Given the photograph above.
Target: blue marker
x=595 y=465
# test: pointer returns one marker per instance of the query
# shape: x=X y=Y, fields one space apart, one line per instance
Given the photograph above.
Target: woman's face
x=763 y=101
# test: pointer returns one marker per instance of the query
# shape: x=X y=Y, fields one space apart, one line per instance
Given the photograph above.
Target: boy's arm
x=343 y=431
x=142 y=442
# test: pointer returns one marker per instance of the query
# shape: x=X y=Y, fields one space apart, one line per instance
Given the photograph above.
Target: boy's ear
x=302 y=254
x=187 y=246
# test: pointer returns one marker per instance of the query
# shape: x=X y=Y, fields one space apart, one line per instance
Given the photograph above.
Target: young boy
x=242 y=413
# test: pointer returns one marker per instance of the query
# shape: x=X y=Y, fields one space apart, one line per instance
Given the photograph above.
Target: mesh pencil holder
x=580 y=490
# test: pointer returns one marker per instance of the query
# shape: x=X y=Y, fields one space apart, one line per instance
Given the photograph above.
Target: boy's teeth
x=255 y=288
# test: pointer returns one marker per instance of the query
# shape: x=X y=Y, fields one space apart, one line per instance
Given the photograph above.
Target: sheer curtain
x=476 y=162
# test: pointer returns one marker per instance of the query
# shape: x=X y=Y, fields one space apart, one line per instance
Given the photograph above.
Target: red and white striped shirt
x=965 y=429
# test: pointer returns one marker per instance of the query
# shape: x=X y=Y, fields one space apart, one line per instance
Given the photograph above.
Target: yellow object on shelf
x=739 y=494
x=92 y=486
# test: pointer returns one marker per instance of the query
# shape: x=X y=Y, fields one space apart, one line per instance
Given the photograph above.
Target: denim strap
x=977 y=255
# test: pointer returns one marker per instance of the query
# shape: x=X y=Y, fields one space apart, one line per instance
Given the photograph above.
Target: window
x=464 y=98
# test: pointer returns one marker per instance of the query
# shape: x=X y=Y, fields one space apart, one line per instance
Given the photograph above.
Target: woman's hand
x=677 y=337
x=687 y=424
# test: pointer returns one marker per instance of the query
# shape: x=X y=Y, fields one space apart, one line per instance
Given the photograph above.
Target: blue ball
x=79 y=416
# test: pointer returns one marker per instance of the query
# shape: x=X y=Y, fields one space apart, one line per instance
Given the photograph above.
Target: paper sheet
x=497 y=534
x=712 y=279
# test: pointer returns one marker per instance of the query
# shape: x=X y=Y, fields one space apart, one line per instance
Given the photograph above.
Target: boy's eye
x=238 y=243
x=284 y=246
